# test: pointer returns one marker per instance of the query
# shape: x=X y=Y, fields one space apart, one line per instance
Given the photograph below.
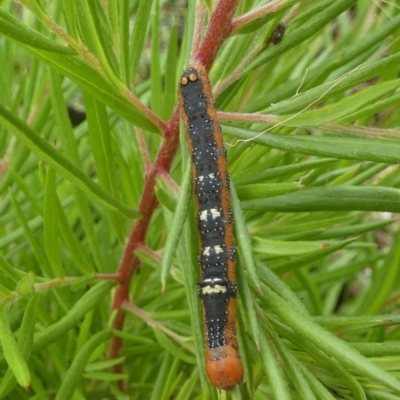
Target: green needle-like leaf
x=48 y=154
x=11 y=352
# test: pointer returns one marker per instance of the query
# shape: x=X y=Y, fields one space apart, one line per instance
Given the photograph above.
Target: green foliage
x=313 y=159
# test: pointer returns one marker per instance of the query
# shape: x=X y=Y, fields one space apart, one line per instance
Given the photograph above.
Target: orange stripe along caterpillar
x=217 y=289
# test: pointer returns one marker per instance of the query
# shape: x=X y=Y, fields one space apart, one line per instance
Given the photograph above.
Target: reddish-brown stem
x=143 y=150
x=255 y=14
x=148 y=204
x=198 y=28
x=218 y=30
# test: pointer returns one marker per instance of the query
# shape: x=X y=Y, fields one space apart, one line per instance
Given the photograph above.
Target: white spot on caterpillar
x=206 y=251
x=200 y=178
x=215 y=289
x=218 y=249
x=211 y=176
x=203 y=215
x=213 y=280
x=215 y=213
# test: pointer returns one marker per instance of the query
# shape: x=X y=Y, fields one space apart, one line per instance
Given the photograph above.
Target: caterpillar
x=217 y=288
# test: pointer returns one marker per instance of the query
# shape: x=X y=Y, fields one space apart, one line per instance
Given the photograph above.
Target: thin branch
x=363 y=131
x=200 y=16
x=150 y=252
x=218 y=31
x=47 y=285
x=246 y=117
x=158 y=325
x=143 y=150
x=256 y=14
x=170 y=182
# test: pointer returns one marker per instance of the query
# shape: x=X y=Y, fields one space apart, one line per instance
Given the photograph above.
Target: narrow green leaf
x=259 y=22
x=142 y=21
x=15 y=30
x=243 y=241
x=333 y=233
x=384 y=282
x=170 y=346
x=52 y=245
x=86 y=325
x=362 y=322
x=242 y=321
x=166 y=195
x=261 y=190
x=70 y=17
x=299 y=262
x=96 y=84
x=89 y=300
x=13 y=356
x=332 y=365
x=24 y=344
x=270 y=279
x=83 y=281
x=187 y=390
x=283 y=248
x=312 y=290
x=174 y=378
x=105 y=376
x=71 y=241
x=30 y=194
x=69 y=143
x=333 y=198
x=329 y=89
x=7 y=269
x=275 y=375
x=390 y=101
x=160 y=381
x=96 y=32
x=370 y=349
x=378 y=150
x=278 y=172
x=335 y=60
x=37 y=7
x=147 y=259
x=71 y=379
x=170 y=93
x=47 y=153
x=247 y=311
x=178 y=222
x=155 y=80
x=190 y=275
x=123 y=11
x=104 y=364
x=32 y=239
x=329 y=343
x=100 y=139
x=317 y=386
x=291 y=363
x=340 y=109
x=4 y=292
x=302 y=33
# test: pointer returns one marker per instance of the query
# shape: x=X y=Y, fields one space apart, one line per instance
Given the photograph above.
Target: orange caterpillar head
x=223 y=367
